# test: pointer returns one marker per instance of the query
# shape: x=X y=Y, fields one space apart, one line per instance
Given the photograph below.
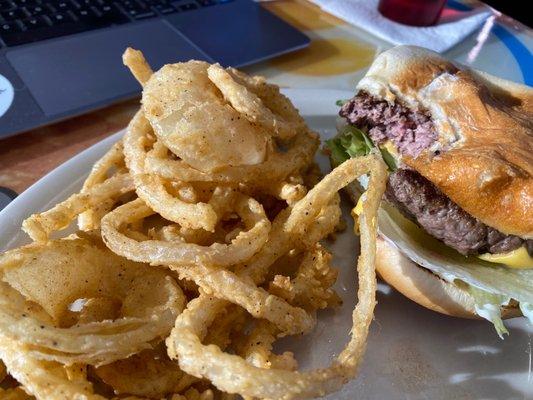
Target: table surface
x=337 y=58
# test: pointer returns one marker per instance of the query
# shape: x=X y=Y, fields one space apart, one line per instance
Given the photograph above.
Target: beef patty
x=422 y=202
x=410 y=130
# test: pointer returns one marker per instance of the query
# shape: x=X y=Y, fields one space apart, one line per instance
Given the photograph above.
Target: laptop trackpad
x=73 y=73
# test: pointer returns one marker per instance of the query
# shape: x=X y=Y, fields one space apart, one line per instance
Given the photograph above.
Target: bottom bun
x=426 y=288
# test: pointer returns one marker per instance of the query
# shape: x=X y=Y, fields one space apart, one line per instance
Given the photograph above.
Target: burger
x=456 y=226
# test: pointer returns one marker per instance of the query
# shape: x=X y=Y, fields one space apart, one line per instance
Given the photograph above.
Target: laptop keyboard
x=26 y=21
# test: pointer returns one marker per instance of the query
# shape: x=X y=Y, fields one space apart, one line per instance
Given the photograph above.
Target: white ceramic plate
x=412 y=354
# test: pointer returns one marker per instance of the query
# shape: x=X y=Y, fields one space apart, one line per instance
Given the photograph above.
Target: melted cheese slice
x=356 y=211
x=518 y=258
x=389 y=146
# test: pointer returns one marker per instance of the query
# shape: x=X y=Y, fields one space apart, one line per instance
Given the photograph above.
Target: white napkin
x=452 y=27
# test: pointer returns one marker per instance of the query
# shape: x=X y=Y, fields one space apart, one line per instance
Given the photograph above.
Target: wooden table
x=338 y=56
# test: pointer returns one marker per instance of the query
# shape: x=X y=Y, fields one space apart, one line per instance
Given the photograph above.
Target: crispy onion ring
x=74 y=312
x=274 y=112
x=40 y=226
x=232 y=373
x=258 y=349
x=159 y=252
x=311 y=287
x=257 y=301
x=135 y=61
x=150 y=187
x=191 y=118
x=111 y=163
x=15 y=394
x=40 y=281
x=43 y=379
x=147 y=374
x=277 y=167
x=114 y=158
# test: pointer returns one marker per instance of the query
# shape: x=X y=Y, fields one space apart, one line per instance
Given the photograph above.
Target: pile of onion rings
x=198 y=245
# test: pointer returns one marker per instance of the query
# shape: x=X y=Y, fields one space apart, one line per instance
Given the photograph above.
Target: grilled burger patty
x=411 y=131
x=416 y=197
x=421 y=201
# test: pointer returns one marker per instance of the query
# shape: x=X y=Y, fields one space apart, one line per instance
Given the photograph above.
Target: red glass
x=412 y=12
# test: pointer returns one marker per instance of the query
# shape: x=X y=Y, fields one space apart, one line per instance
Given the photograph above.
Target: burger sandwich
x=456 y=226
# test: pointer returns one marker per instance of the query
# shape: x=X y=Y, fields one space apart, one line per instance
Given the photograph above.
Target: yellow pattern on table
x=332 y=56
x=302 y=14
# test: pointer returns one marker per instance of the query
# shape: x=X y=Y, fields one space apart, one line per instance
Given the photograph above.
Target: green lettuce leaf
x=352 y=142
x=432 y=254
x=488 y=306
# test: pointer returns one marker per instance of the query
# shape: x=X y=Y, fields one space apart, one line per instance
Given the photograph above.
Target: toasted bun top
x=483 y=159
x=425 y=288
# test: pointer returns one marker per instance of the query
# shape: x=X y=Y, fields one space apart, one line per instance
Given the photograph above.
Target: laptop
x=61 y=58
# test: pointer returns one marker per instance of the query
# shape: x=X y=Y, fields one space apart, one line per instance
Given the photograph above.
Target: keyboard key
x=84 y=14
x=35 y=22
x=128 y=3
x=60 y=18
x=61 y=6
x=136 y=10
x=29 y=3
x=111 y=15
x=10 y=27
x=36 y=10
x=6 y=5
x=14 y=14
x=63 y=25
x=90 y=3
x=25 y=21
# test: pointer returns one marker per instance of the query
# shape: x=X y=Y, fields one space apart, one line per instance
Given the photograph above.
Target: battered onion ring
x=45 y=380
x=40 y=281
x=150 y=187
x=40 y=226
x=191 y=118
x=195 y=394
x=241 y=248
x=135 y=61
x=279 y=243
x=233 y=374
x=311 y=287
x=114 y=158
x=277 y=167
x=111 y=162
x=15 y=394
x=147 y=374
x=258 y=349
x=257 y=301
x=239 y=92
